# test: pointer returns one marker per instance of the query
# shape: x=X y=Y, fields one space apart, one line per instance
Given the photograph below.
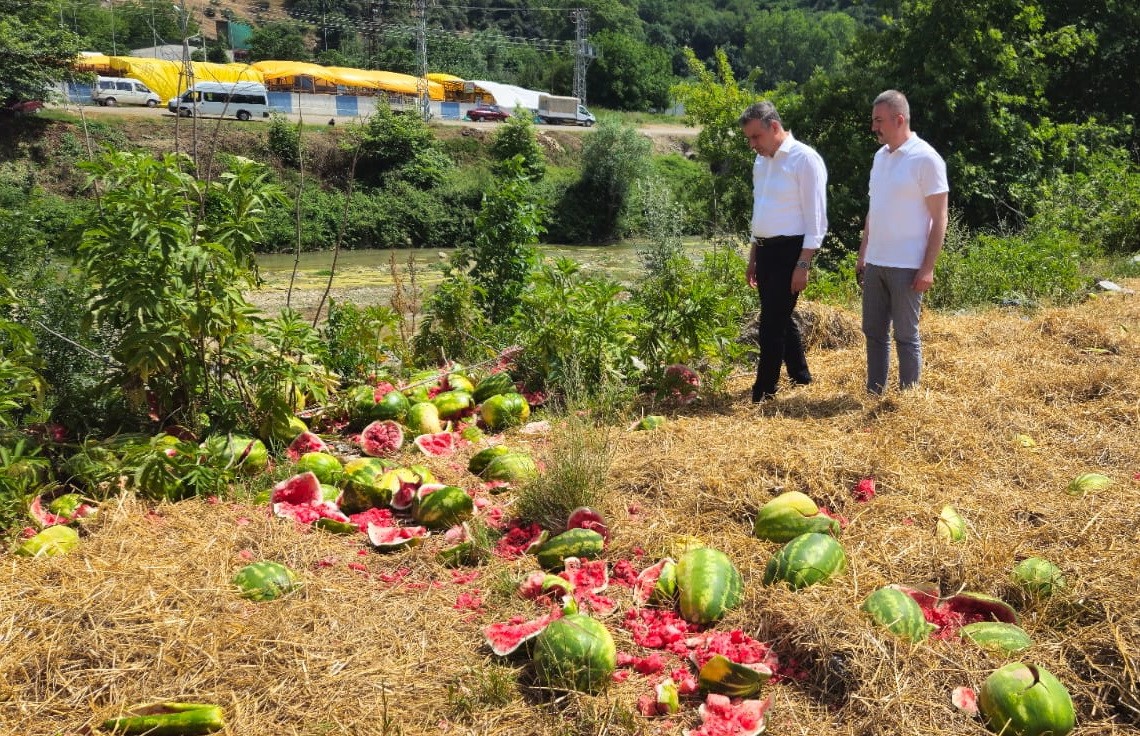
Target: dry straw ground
x=143 y=610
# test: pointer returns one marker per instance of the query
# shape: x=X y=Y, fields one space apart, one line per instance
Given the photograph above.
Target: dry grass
x=143 y=611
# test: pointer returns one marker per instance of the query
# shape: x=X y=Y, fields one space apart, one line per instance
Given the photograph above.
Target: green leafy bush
x=576 y=332
x=506 y=229
x=284 y=140
x=358 y=340
x=1013 y=269
x=515 y=137
x=170 y=280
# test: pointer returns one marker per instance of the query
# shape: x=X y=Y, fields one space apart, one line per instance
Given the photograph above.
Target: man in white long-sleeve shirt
x=789 y=219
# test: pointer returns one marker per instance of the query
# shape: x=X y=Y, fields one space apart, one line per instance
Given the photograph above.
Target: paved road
x=654 y=130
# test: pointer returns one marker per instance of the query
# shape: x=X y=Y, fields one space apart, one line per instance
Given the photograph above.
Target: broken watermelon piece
x=722 y=716
x=506 y=637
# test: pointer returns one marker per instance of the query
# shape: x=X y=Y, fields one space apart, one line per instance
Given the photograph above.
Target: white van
x=242 y=100
x=111 y=91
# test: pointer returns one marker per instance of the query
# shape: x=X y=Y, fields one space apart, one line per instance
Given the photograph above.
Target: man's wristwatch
x=805 y=265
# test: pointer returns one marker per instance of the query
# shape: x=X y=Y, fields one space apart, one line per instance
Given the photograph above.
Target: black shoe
x=759 y=397
x=802 y=380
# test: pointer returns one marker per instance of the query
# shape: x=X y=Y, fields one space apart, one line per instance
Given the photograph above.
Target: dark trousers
x=780 y=339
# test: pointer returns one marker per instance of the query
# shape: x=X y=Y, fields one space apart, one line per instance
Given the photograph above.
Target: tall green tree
x=506 y=229
x=789 y=45
x=628 y=74
x=713 y=99
x=279 y=40
x=35 y=53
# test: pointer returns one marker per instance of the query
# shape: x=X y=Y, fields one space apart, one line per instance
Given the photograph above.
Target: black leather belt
x=780 y=240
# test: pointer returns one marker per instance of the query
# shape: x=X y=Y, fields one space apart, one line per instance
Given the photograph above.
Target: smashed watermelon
x=300 y=498
x=506 y=637
x=585 y=517
x=385 y=538
x=439 y=444
x=722 y=716
x=61 y=510
x=304 y=443
x=381 y=438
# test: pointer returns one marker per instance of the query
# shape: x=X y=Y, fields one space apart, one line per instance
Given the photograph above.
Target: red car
x=487 y=112
x=24 y=106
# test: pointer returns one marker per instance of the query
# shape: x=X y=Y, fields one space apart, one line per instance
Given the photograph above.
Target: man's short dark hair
x=764 y=111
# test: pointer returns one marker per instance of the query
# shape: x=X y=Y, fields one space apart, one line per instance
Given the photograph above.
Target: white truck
x=553 y=110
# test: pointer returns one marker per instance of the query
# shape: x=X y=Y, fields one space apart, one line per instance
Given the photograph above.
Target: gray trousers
x=889 y=298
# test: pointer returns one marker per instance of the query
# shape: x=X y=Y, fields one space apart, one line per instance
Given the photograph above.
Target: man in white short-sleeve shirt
x=902 y=237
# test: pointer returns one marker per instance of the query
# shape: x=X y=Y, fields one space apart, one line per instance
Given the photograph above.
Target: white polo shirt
x=789 y=193
x=898 y=221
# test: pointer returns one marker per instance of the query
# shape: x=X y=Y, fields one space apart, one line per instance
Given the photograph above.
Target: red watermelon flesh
x=735 y=645
x=965 y=700
x=585 y=517
x=518 y=540
x=299 y=498
x=951 y=614
x=45 y=518
x=379 y=517
x=440 y=444
x=393 y=536
x=305 y=442
x=646 y=581
x=402 y=498
x=300 y=489
x=591 y=575
x=720 y=716
x=307 y=513
x=659 y=629
x=504 y=638
x=381 y=438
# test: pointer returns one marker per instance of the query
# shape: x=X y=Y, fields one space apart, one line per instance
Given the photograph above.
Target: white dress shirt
x=789 y=193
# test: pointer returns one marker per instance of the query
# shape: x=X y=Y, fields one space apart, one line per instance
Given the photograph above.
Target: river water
x=367 y=277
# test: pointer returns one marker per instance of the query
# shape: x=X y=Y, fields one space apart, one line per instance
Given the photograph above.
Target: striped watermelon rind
x=721 y=675
x=951 y=527
x=504 y=410
x=1026 y=700
x=452 y=403
x=708 y=585
x=789 y=515
x=513 y=467
x=496 y=383
x=806 y=560
x=585 y=544
x=996 y=636
x=898 y=613
x=575 y=652
x=265 y=580
x=480 y=460
x=442 y=507
x=54 y=540
x=1038 y=576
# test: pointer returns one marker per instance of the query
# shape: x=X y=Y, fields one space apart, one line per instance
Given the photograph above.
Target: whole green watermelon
x=806 y=560
x=708 y=585
x=265 y=580
x=575 y=652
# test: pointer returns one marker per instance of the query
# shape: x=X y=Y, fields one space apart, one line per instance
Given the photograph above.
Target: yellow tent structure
x=97 y=63
x=457 y=89
x=290 y=75
x=169 y=78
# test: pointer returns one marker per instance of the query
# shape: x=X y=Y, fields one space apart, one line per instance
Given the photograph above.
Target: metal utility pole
x=583 y=51
x=421 y=54
x=324 y=27
x=114 y=45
